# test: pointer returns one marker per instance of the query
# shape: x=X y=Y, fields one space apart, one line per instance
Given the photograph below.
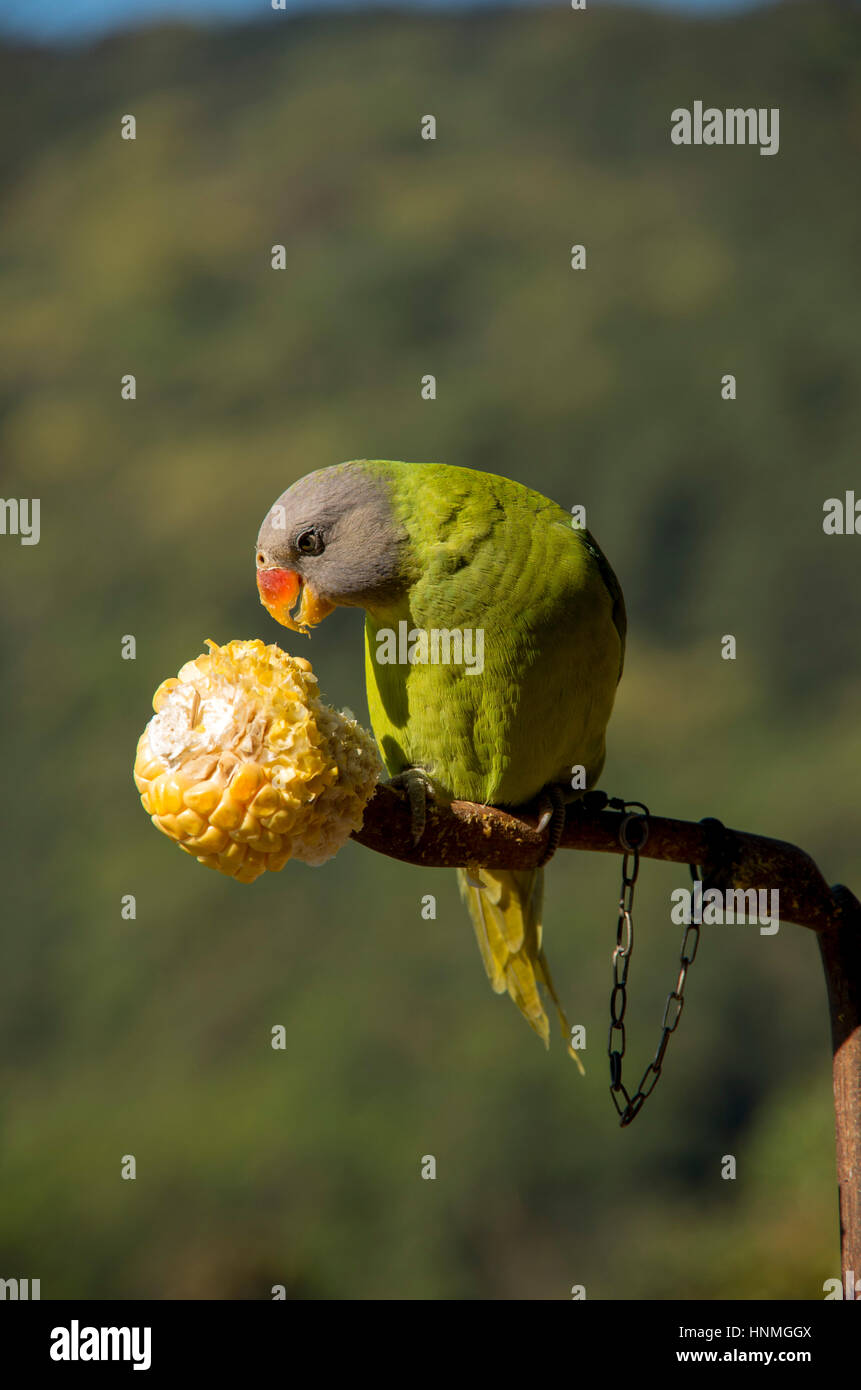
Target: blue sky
x=71 y=19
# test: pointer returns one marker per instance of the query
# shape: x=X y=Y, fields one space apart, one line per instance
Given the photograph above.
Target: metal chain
x=636 y=816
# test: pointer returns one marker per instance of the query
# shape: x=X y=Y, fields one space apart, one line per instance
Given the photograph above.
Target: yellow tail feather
x=505 y=907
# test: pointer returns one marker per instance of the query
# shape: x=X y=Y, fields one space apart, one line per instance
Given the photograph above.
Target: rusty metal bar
x=464 y=832
x=841 y=958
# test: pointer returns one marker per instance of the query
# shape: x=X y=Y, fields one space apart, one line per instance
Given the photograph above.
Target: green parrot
x=494 y=643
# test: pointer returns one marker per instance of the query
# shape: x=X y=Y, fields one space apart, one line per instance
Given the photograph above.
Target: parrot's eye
x=261 y=559
x=310 y=543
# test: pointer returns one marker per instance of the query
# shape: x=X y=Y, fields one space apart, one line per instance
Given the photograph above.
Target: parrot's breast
x=531 y=595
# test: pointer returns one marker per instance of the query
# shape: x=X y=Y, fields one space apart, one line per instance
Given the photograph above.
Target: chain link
x=633 y=834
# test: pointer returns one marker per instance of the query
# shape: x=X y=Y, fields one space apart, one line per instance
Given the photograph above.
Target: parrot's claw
x=553 y=816
x=420 y=789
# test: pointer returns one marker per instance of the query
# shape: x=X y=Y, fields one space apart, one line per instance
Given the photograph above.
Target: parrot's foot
x=419 y=788
x=553 y=801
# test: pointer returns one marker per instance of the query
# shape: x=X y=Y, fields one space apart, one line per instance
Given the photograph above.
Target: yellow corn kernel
x=266 y=802
x=171 y=794
x=229 y=814
x=213 y=841
x=279 y=821
x=246 y=782
x=191 y=824
x=232 y=858
x=168 y=826
x=203 y=797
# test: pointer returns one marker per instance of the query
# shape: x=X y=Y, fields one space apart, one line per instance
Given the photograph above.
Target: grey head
x=337 y=531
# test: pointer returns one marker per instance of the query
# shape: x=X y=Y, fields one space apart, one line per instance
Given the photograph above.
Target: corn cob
x=245 y=767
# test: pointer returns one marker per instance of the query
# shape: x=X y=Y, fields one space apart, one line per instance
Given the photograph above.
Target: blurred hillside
x=407 y=257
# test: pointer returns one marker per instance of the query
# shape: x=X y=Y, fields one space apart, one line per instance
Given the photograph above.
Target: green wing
x=493 y=555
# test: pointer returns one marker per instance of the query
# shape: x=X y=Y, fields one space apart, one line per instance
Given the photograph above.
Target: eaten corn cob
x=245 y=767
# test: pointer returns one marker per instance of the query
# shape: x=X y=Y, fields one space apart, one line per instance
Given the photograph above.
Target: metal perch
x=463 y=832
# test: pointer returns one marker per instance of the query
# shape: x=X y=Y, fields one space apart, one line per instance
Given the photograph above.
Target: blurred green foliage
x=406 y=257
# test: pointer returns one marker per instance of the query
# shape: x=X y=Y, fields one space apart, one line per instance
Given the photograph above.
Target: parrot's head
x=330 y=539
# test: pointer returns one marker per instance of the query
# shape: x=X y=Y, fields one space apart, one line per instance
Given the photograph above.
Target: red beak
x=279 y=590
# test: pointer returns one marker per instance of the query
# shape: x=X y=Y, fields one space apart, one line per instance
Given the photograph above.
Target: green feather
x=486 y=552
x=490 y=553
